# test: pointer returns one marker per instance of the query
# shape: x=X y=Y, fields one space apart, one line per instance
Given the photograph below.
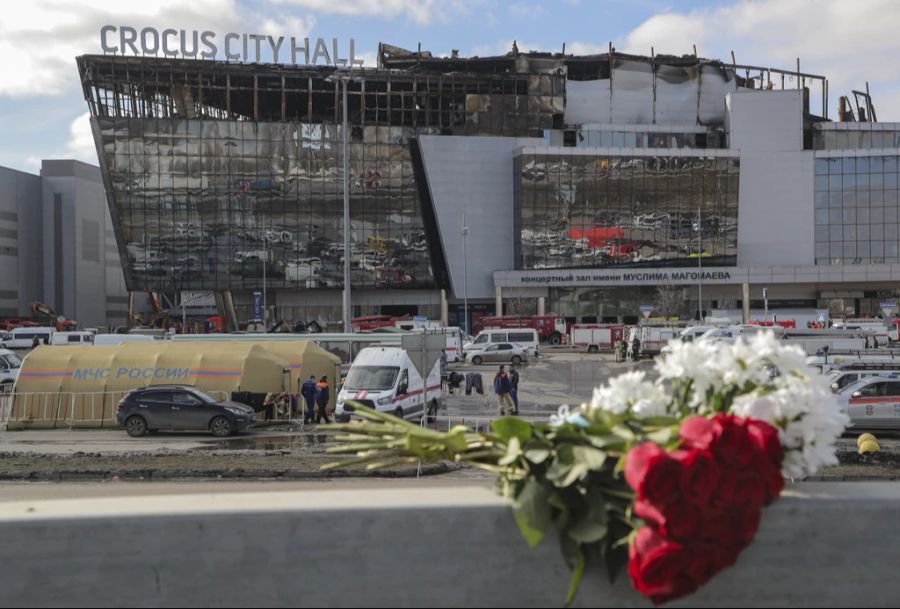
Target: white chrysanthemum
x=694 y=361
x=807 y=416
x=630 y=392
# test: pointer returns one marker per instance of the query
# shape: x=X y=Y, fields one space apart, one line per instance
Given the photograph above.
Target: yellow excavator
x=47 y=315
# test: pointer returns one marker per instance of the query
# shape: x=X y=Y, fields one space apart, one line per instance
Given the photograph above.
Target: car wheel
x=477 y=360
x=555 y=339
x=516 y=360
x=593 y=349
x=398 y=412
x=135 y=426
x=220 y=427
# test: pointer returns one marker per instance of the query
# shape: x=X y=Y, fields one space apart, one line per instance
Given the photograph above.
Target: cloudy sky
x=43 y=112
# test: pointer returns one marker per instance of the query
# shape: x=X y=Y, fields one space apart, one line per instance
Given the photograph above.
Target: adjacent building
x=58 y=246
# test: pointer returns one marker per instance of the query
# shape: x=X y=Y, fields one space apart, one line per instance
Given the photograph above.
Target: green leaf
x=576 y=472
x=588 y=531
x=558 y=470
x=606 y=440
x=662 y=436
x=623 y=432
x=513 y=427
x=577 y=574
x=537 y=455
x=513 y=452
x=456 y=440
x=659 y=421
x=591 y=457
x=532 y=511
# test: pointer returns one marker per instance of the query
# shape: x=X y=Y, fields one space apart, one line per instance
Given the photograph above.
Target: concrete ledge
x=823 y=544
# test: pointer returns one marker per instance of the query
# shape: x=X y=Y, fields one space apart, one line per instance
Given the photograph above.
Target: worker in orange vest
x=322 y=400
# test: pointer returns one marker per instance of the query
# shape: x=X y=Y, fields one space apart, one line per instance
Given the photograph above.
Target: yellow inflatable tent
x=304 y=358
x=61 y=386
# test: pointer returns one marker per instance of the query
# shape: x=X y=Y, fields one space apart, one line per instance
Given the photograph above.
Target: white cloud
x=41 y=38
x=848 y=42
x=503 y=47
x=80 y=144
x=419 y=11
x=526 y=10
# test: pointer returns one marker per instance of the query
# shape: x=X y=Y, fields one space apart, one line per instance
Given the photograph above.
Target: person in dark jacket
x=502 y=388
x=308 y=391
x=322 y=400
x=514 y=387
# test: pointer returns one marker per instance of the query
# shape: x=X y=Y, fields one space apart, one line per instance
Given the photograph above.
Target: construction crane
x=46 y=314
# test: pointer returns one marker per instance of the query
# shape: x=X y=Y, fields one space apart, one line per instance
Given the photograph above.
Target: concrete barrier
x=822 y=544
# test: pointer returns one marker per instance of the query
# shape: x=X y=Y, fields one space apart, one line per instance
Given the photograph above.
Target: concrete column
x=445 y=309
x=746 y=301
x=498 y=300
x=542 y=305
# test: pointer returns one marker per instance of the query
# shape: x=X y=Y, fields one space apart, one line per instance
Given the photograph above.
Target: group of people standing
x=506 y=386
x=315 y=394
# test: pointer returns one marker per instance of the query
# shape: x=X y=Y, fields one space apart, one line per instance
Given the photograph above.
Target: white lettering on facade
x=236 y=47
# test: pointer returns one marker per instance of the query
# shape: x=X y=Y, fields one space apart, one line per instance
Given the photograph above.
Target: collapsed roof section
x=620 y=88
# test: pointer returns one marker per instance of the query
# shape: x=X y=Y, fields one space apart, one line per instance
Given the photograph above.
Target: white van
x=731 y=334
x=118 y=339
x=23 y=338
x=10 y=364
x=386 y=379
x=527 y=338
x=72 y=338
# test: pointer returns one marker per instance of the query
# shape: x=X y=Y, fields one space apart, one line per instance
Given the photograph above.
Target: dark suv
x=164 y=407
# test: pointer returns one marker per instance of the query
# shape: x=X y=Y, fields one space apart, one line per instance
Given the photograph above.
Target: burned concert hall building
x=586 y=183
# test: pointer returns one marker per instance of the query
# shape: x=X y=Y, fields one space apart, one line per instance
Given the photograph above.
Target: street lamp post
x=699 y=266
x=346 y=301
x=265 y=314
x=465 y=233
x=342 y=77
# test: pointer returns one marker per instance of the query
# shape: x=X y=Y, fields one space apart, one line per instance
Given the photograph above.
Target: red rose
x=701 y=474
x=653 y=474
x=697 y=432
x=707 y=559
x=678 y=520
x=766 y=437
x=719 y=528
x=749 y=488
x=733 y=444
x=747 y=523
x=656 y=567
x=726 y=488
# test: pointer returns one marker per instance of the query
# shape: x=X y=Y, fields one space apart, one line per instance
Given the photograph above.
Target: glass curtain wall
x=856 y=210
x=226 y=176
x=591 y=211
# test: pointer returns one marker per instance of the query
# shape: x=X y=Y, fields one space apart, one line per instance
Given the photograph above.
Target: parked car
x=10 y=364
x=166 y=407
x=502 y=352
x=873 y=402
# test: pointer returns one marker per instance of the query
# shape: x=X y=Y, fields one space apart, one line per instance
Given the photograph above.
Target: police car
x=873 y=402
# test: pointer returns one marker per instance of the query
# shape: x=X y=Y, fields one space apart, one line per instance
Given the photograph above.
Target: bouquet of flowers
x=667 y=477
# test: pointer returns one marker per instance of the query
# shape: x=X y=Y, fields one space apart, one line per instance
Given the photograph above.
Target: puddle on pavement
x=303 y=441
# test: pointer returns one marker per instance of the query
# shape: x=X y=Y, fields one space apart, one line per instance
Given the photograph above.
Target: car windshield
x=371 y=378
x=13 y=360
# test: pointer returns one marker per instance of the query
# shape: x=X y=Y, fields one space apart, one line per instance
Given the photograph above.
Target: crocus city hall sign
x=235 y=47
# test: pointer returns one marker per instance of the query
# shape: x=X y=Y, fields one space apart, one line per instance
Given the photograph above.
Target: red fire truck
x=372 y=322
x=550 y=328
